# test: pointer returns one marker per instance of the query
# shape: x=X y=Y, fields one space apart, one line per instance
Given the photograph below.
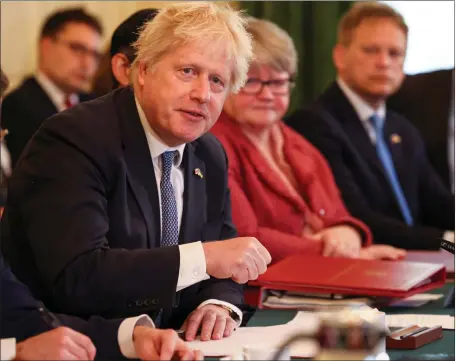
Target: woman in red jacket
x=282 y=189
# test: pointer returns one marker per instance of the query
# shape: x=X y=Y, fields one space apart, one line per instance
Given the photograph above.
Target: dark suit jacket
x=425 y=100
x=338 y=133
x=21 y=319
x=82 y=223
x=23 y=111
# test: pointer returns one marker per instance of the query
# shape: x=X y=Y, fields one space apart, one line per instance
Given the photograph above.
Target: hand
x=340 y=241
x=215 y=322
x=61 y=343
x=382 y=251
x=154 y=344
x=242 y=259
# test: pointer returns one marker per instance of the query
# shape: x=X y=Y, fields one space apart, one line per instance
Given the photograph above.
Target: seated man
x=432 y=113
x=377 y=157
x=111 y=209
x=42 y=336
x=68 y=55
x=282 y=188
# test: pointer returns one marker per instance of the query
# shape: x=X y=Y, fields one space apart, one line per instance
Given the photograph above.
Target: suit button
x=139 y=303
x=322 y=212
x=154 y=301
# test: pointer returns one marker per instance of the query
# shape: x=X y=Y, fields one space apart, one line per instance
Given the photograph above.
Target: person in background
x=115 y=66
x=282 y=188
x=5 y=158
x=68 y=55
x=427 y=100
x=377 y=156
x=121 y=205
x=41 y=335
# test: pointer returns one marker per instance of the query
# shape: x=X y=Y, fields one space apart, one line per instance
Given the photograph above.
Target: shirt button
x=322 y=212
x=195 y=273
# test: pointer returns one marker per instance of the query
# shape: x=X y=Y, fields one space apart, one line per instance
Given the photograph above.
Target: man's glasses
x=80 y=49
x=276 y=86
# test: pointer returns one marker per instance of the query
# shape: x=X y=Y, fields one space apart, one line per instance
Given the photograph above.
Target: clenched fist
x=242 y=259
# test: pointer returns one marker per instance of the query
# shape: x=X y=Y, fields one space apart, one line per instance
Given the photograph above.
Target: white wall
x=431 y=34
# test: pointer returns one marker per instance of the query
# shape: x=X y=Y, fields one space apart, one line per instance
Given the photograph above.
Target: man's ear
x=120 y=68
x=339 y=52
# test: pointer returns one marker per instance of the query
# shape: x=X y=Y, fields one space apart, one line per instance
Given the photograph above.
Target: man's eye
x=217 y=80
x=187 y=71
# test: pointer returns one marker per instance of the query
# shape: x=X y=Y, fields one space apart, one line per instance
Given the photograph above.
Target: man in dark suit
x=377 y=156
x=427 y=100
x=121 y=50
x=112 y=203
x=68 y=55
x=42 y=335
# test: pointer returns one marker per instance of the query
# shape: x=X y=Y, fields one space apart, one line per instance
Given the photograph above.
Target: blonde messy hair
x=202 y=22
x=272 y=46
x=366 y=10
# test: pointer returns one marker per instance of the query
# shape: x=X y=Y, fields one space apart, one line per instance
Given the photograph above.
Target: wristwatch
x=232 y=314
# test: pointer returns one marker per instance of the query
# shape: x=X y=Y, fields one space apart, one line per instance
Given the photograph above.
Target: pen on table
x=414 y=332
x=51 y=320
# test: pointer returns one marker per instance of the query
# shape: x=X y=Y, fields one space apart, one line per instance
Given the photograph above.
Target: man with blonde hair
x=378 y=158
x=115 y=201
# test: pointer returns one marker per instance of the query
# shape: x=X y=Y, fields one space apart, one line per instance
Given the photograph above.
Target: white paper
x=8 y=348
x=446 y=321
x=269 y=337
x=417 y=300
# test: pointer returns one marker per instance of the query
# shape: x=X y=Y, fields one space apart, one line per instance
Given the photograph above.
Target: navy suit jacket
x=23 y=111
x=82 y=222
x=333 y=126
x=425 y=100
x=21 y=319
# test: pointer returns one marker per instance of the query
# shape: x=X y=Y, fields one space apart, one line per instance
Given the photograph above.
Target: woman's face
x=260 y=105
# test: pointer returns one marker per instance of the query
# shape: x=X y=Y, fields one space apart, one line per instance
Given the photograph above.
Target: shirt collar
x=54 y=93
x=156 y=146
x=362 y=108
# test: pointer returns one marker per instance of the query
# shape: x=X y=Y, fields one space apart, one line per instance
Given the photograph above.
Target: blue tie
x=388 y=165
x=170 y=222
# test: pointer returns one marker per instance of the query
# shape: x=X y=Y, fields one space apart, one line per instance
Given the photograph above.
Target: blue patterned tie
x=170 y=222
x=388 y=165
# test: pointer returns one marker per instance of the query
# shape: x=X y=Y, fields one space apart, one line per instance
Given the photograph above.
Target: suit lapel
x=140 y=169
x=347 y=116
x=194 y=209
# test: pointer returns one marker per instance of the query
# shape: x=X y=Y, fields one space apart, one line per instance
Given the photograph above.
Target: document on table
x=268 y=337
x=446 y=321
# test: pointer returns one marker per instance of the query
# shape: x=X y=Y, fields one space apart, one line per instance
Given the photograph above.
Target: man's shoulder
x=24 y=92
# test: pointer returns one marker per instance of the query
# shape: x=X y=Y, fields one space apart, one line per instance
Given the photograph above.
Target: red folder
x=345 y=276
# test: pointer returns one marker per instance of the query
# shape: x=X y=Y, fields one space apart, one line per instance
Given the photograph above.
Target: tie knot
x=168 y=159
x=376 y=121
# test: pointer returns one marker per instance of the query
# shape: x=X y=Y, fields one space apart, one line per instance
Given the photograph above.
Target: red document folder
x=344 y=276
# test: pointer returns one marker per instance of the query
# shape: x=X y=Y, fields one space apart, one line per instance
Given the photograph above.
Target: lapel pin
x=396 y=139
x=197 y=172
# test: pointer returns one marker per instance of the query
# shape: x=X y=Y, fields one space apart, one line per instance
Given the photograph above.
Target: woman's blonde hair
x=201 y=22
x=272 y=46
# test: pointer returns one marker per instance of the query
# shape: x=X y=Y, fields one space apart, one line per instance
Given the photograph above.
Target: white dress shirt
x=124 y=338
x=192 y=259
x=364 y=112
x=54 y=93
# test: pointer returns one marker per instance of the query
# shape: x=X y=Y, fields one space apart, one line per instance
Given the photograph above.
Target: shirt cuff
x=448 y=236
x=125 y=334
x=7 y=349
x=192 y=265
x=226 y=304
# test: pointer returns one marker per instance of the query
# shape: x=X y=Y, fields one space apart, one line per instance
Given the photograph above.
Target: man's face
x=372 y=64
x=183 y=94
x=71 y=58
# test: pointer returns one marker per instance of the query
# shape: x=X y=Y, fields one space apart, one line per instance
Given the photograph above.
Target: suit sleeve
x=224 y=290
x=58 y=197
x=386 y=230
